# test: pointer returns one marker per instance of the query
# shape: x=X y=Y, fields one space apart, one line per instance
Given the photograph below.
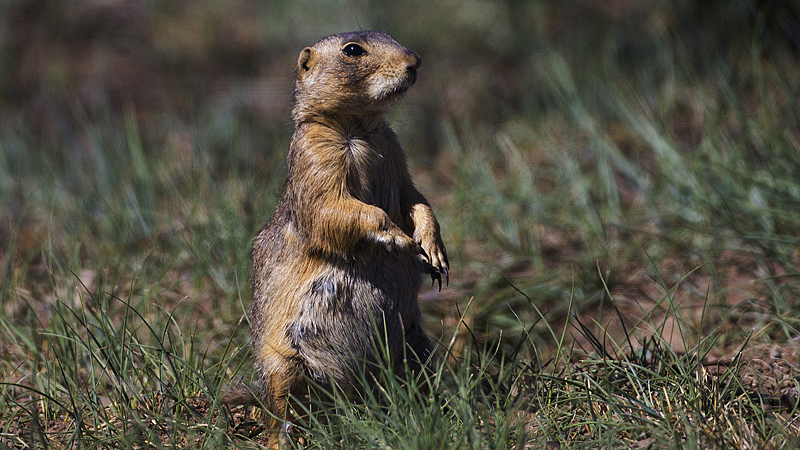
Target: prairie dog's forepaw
x=394 y=240
x=434 y=255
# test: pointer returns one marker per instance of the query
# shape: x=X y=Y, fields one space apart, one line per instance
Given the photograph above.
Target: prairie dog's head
x=354 y=73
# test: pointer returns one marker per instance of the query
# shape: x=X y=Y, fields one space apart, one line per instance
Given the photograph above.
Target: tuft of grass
x=106 y=371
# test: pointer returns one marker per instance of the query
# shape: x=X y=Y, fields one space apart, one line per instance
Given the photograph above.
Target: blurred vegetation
x=631 y=165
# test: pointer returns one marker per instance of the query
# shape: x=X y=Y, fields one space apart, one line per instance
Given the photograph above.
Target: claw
x=422 y=252
x=435 y=275
x=446 y=275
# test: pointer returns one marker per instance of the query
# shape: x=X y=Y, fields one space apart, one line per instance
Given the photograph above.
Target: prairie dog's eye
x=353 y=50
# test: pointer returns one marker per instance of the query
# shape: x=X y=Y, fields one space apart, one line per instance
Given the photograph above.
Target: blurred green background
x=575 y=152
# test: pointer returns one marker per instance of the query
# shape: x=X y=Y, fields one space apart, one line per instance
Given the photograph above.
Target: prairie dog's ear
x=306 y=60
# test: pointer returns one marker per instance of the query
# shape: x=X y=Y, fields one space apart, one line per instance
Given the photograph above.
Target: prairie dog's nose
x=413 y=61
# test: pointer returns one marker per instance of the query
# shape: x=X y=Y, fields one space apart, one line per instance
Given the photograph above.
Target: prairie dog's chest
x=371 y=176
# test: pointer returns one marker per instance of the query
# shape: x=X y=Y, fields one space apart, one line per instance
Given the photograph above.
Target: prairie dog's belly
x=350 y=306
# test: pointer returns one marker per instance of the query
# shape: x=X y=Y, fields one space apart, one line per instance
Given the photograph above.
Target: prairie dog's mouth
x=412 y=76
x=391 y=88
x=399 y=90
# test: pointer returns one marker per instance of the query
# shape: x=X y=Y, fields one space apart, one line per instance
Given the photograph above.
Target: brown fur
x=344 y=252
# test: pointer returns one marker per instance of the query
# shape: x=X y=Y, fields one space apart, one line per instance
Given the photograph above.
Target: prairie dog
x=345 y=251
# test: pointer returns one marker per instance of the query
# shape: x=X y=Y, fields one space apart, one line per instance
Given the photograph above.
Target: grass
x=618 y=192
